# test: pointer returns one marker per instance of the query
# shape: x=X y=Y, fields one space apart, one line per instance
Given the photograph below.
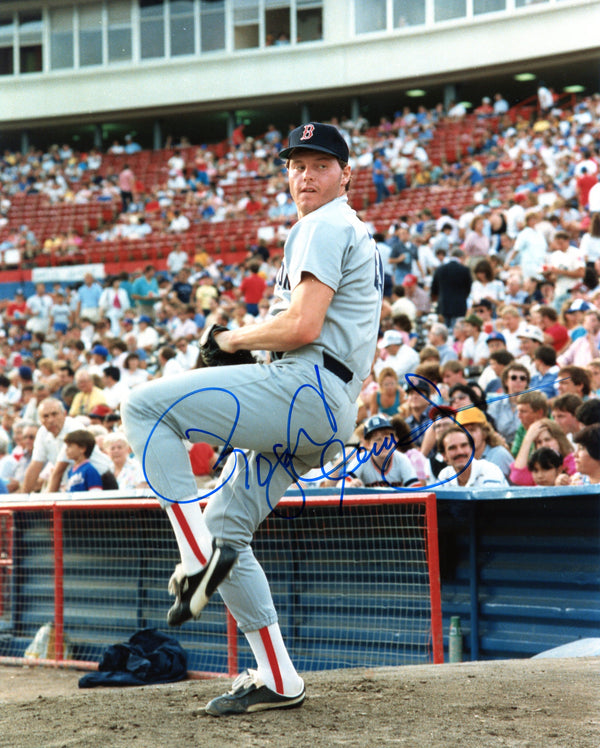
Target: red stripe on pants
x=268 y=645
x=189 y=536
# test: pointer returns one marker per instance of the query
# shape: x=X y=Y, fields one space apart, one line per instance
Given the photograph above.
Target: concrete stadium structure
x=92 y=70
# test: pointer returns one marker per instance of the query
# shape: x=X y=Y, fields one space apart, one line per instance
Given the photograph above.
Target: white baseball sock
x=275 y=667
x=193 y=538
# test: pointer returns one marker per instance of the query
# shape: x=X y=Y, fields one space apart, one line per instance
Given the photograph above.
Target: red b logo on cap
x=309 y=131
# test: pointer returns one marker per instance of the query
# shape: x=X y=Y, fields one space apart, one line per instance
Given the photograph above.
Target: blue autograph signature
x=284 y=454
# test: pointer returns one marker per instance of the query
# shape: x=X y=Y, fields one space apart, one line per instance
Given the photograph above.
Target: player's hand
x=223 y=340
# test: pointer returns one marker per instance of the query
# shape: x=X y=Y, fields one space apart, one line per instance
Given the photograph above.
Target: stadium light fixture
x=524 y=77
x=415 y=93
x=575 y=88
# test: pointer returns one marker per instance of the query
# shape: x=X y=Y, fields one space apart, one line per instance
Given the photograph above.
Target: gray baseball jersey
x=280 y=418
x=334 y=245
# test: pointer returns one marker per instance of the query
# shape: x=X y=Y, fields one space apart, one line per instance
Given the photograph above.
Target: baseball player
x=281 y=418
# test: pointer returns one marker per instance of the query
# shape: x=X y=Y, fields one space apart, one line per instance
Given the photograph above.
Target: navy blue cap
x=376 y=423
x=316 y=136
x=496 y=336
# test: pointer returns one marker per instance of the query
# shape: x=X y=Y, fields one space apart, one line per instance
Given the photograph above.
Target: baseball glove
x=212 y=355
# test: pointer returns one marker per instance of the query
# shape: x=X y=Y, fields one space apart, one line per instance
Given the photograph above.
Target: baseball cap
x=316 y=136
x=579 y=305
x=441 y=411
x=418 y=386
x=100 y=411
x=484 y=302
x=474 y=320
x=409 y=280
x=25 y=371
x=470 y=415
x=496 y=336
x=376 y=423
x=145 y=318
x=100 y=350
x=391 y=337
x=531 y=331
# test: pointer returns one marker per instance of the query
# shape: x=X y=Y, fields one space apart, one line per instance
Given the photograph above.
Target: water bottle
x=455 y=640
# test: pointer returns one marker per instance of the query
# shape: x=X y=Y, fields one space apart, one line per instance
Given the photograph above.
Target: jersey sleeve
x=318 y=248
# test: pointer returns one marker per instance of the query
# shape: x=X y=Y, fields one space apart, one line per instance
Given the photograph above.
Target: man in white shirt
x=401 y=357
x=565 y=264
x=114 y=389
x=463 y=470
x=475 y=350
x=49 y=446
x=177 y=259
x=147 y=337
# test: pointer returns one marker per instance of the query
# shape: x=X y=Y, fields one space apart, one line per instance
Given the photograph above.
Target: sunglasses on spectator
x=518 y=378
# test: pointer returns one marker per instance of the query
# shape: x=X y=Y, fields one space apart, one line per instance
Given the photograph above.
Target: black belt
x=337 y=367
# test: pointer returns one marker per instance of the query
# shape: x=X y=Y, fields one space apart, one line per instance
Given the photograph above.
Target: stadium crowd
x=488 y=363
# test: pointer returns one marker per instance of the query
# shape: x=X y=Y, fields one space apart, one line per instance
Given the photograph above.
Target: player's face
x=315 y=179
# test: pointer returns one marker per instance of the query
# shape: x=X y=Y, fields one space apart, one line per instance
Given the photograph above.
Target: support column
x=157 y=140
x=98 y=137
x=449 y=95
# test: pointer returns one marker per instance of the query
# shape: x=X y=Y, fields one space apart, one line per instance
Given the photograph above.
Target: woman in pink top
x=542 y=433
x=477 y=244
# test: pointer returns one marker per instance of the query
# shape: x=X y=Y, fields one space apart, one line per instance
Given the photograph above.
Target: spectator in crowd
x=48 y=448
x=503 y=410
x=588 y=412
x=489 y=445
x=386 y=465
x=133 y=373
x=587 y=456
x=81 y=475
x=145 y=292
x=114 y=304
x=388 y=396
x=532 y=406
x=438 y=336
x=573 y=379
x=564 y=409
x=88 y=299
x=415 y=409
x=450 y=287
x=475 y=351
x=545 y=371
x=39 y=308
x=545 y=466
x=114 y=390
x=252 y=288
x=398 y=355
x=126 y=182
x=530 y=338
x=541 y=434
x=555 y=333
x=587 y=347
x=463 y=470
x=88 y=396
x=127 y=468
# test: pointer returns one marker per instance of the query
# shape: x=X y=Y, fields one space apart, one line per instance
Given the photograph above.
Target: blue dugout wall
x=520 y=566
